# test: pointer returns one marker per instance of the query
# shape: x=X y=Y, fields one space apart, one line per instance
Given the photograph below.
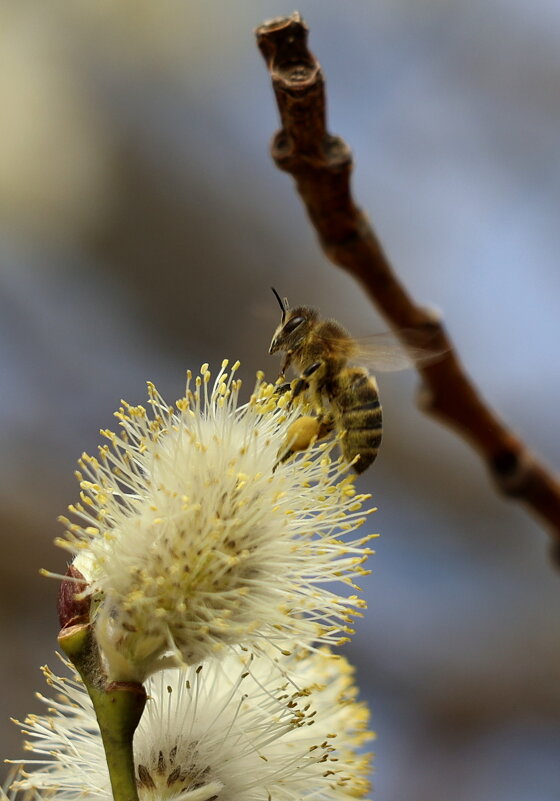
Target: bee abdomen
x=364 y=444
x=360 y=416
x=362 y=439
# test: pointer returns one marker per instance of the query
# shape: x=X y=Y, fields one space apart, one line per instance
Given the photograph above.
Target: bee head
x=294 y=326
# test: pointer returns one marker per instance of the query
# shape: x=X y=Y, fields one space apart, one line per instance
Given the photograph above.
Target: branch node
x=511 y=468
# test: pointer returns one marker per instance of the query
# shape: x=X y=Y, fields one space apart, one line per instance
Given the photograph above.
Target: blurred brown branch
x=321 y=165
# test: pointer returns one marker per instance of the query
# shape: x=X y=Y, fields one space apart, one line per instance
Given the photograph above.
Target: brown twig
x=321 y=165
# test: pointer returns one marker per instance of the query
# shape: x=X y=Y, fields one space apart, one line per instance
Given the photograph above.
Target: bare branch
x=321 y=165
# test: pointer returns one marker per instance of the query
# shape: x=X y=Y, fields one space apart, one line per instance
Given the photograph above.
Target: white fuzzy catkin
x=227 y=729
x=196 y=538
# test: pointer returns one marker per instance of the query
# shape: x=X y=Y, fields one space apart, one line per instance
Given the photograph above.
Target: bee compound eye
x=292 y=324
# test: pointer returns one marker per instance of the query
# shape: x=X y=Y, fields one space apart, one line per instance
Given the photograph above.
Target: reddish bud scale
x=71 y=609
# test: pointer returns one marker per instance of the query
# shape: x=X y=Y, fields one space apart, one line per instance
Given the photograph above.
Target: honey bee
x=345 y=397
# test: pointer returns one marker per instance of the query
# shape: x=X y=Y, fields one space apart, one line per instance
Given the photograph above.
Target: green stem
x=118 y=707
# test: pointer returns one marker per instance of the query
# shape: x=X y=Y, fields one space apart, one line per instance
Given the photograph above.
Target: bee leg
x=326 y=425
x=312 y=369
x=302 y=433
x=302 y=383
x=281 y=389
x=286 y=361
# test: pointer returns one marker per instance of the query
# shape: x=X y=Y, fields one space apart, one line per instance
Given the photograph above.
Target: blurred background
x=142 y=224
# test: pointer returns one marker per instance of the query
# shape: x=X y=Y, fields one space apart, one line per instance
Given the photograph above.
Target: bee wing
x=386 y=353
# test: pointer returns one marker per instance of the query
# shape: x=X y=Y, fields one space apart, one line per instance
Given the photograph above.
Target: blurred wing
x=385 y=353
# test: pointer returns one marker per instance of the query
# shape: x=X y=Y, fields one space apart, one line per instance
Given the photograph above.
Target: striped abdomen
x=357 y=410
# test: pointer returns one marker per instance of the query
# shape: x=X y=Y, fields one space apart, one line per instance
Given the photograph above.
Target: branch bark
x=321 y=164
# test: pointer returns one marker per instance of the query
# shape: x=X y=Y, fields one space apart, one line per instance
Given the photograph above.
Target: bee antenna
x=282 y=303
